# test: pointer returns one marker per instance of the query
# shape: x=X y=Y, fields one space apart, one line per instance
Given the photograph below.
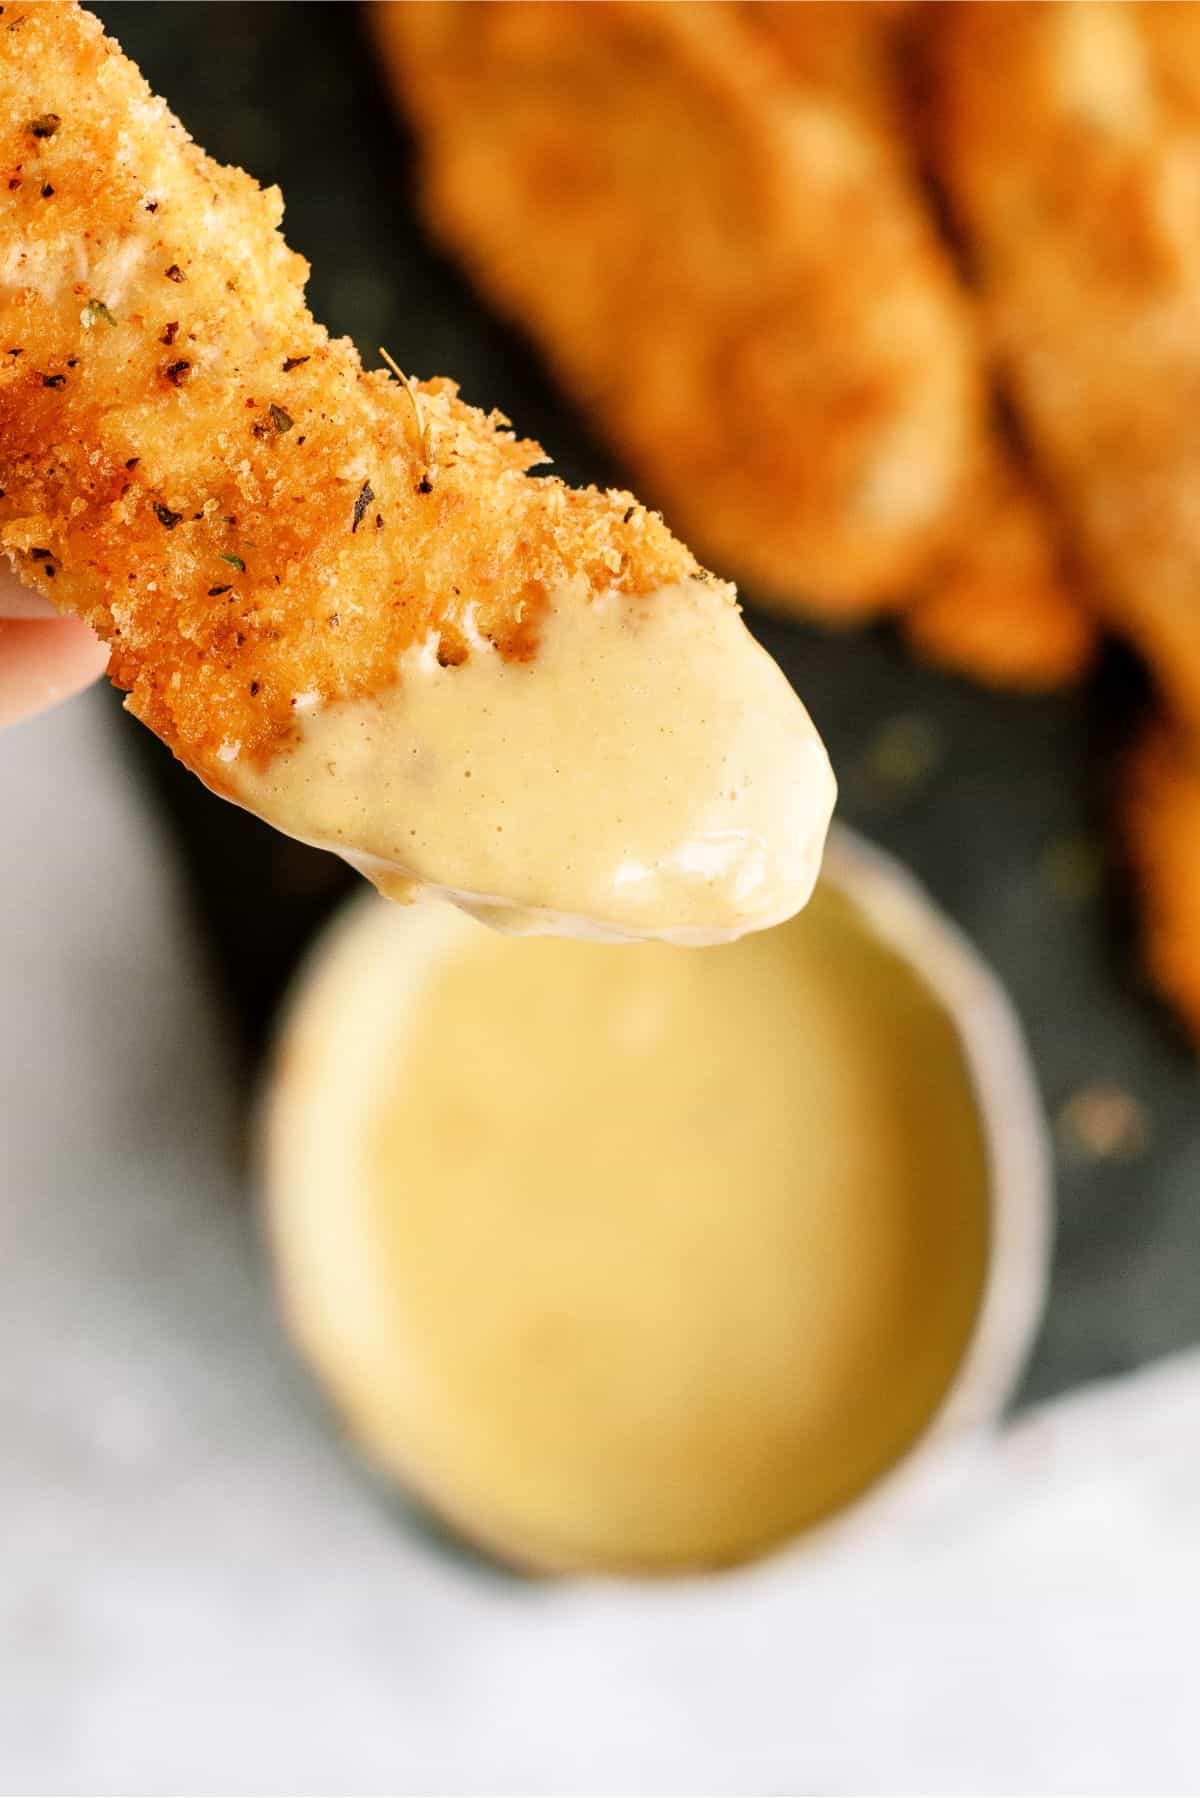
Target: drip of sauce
x=649 y=772
x=637 y=1260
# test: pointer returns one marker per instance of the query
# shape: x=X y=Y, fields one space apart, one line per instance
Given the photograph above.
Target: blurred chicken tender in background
x=646 y=190
x=996 y=603
x=1068 y=138
x=893 y=308
x=723 y=249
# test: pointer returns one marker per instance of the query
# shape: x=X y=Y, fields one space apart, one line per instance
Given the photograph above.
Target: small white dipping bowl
x=324 y=1069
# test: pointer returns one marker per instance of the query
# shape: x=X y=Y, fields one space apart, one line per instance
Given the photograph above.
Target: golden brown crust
x=1067 y=137
x=190 y=463
x=802 y=380
x=1161 y=811
x=654 y=194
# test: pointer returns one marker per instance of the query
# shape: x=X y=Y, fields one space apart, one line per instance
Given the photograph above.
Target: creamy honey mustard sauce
x=649 y=773
x=630 y=1259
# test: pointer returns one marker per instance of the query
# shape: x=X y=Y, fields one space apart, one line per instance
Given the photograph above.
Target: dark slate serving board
x=996 y=802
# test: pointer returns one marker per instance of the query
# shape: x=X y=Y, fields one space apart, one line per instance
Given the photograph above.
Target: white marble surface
x=199 y=1594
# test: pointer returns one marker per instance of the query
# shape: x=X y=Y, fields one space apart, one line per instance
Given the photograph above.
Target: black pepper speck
x=366 y=495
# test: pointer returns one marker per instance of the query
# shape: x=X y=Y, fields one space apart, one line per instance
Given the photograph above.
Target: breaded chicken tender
x=192 y=465
x=1161 y=813
x=998 y=605
x=725 y=265
x=268 y=537
x=719 y=200
x=1068 y=137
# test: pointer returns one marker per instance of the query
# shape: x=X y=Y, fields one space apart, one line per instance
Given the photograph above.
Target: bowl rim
x=1020 y=1170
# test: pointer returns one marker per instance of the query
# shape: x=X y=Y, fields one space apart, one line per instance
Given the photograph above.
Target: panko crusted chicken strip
x=341 y=599
x=722 y=263
x=1068 y=137
x=708 y=218
x=998 y=603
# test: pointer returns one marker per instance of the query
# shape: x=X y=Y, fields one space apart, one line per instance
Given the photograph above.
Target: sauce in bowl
x=630 y=1258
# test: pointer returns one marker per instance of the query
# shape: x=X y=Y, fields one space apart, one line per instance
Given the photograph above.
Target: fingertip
x=18 y=601
x=44 y=661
